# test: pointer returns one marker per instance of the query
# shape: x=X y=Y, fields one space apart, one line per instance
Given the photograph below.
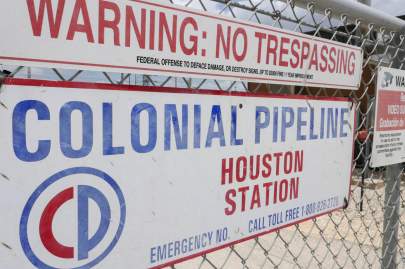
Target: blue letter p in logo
x=85 y=245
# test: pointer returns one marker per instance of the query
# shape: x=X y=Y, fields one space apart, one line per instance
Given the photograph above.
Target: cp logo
x=72 y=220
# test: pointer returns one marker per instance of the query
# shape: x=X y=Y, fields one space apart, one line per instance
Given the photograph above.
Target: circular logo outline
x=48 y=182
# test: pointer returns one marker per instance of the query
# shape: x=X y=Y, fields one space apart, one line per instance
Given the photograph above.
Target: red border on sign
x=116 y=87
x=99 y=86
x=207 y=15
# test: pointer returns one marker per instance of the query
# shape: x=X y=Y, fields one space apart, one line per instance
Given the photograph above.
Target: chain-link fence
x=370 y=232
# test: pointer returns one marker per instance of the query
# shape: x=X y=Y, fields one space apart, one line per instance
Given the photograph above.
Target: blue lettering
x=86 y=244
x=65 y=119
x=171 y=119
x=312 y=134
x=285 y=124
x=153 y=255
x=234 y=140
x=170 y=250
x=261 y=124
x=177 y=248
x=197 y=126
x=251 y=226
x=162 y=253
x=322 y=134
x=135 y=128
x=343 y=122
x=275 y=125
x=184 y=246
x=20 y=131
x=301 y=123
x=215 y=119
x=332 y=123
x=108 y=148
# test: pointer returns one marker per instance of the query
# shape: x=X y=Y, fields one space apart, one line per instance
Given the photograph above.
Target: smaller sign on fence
x=131 y=177
x=389 y=124
x=158 y=38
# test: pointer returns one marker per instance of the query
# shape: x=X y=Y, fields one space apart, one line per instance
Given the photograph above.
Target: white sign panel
x=101 y=176
x=155 y=37
x=389 y=124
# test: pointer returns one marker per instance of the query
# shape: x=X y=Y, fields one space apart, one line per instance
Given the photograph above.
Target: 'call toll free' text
x=292 y=215
x=274 y=220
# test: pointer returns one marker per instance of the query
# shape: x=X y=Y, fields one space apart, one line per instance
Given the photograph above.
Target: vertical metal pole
x=365 y=172
x=391 y=216
x=362 y=191
x=392 y=199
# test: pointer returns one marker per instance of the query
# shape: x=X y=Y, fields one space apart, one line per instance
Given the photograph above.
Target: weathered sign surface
x=102 y=176
x=154 y=37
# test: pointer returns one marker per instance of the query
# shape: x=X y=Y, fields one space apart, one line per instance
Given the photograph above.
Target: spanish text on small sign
x=133 y=177
x=153 y=37
x=389 y=126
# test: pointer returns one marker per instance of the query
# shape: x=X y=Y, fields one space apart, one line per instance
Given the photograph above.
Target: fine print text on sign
x=389 y=124
x=154 y=37
x=131 y=177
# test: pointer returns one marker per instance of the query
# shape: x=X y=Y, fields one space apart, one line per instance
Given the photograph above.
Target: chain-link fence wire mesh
x=364 y=234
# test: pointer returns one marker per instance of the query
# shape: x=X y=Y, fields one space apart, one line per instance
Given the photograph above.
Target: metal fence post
x=392 y=195
x=391 y=216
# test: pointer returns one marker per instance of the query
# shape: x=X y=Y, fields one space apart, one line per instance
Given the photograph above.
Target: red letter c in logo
x=45 y=226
